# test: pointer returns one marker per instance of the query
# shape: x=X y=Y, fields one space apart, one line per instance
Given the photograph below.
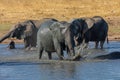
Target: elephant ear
x=29 y=28
x=16 y=30
x=55 y=26
x=65 y=26
x=59 y=27
x=89 y=22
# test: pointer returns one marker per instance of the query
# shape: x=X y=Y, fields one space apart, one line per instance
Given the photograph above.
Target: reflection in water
x=106 y=70
x=58 y=71
x=19 y=72
x=37 y=71
x=5 y=71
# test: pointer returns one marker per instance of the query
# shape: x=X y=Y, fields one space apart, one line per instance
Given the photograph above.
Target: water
x=13 y=68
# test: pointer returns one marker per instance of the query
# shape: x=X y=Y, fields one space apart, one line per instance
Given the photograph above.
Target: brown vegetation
x=13 y=11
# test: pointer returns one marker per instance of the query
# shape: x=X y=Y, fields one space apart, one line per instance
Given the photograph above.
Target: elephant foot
x=75 y=58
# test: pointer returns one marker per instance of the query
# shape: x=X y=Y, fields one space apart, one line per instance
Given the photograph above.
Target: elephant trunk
x=70 y=43
x=6 y=36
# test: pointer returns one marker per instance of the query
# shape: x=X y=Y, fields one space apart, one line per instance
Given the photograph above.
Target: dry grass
x=16 y=10
x=13 y=11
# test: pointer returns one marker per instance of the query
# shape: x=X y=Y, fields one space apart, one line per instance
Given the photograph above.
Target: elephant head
x=24 y=29
x=92 y=29
x=78 y=28
x=20 y=31
x=62 y=32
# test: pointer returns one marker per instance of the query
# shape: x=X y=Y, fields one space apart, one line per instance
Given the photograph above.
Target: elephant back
x=46 y=24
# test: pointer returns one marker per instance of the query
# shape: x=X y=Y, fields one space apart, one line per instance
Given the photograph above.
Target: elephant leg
x=40 y=55
x=40 y=51
x=59 y=52
x=96 y=44
x=86 y=45
x=58 y=49
x=49 y=55
x=68 y=51
x=29 y=43
x=63 y=48
x=101 y=44
x=32 y=43
x=62 y=54
x=26 y=42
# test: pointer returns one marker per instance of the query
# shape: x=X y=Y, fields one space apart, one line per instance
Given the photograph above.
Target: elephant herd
x=52 y=35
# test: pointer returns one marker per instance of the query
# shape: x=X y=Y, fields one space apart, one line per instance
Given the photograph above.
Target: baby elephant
x=11 y=45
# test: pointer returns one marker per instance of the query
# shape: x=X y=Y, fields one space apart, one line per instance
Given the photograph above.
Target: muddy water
x=19 y=64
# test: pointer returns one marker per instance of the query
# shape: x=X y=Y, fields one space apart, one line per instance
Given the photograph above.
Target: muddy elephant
x=92 y=29
x=55 y=36
x=26 y=30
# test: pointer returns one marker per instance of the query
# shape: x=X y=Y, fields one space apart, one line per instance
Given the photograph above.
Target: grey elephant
x=26 y=30
x=55 y=36
x=92 y=29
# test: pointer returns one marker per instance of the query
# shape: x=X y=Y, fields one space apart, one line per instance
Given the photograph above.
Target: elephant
x=97 y=31
x=78 y=28
x=55 y=36
x=11 y=45
x=92 y=29
x=26 y=30
x=112 y=55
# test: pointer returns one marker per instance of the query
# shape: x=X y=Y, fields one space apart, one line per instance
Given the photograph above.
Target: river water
x=18 y=64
